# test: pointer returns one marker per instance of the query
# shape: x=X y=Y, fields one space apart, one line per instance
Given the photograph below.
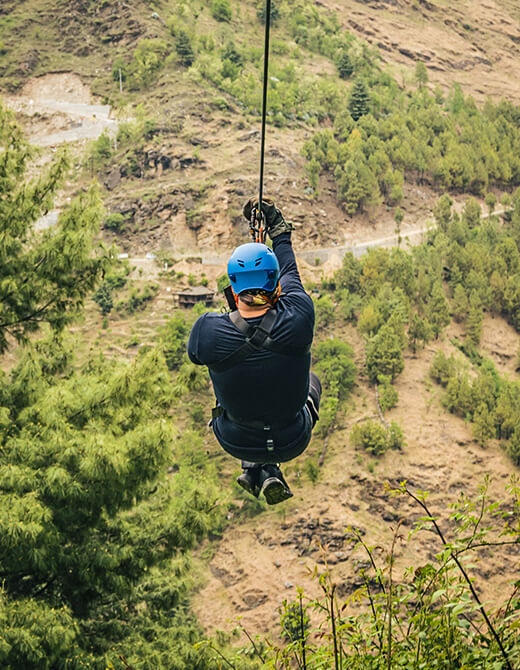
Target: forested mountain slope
x=196 y=69
x=382 y=114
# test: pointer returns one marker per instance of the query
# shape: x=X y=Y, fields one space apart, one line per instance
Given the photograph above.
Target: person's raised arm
x=279 y=230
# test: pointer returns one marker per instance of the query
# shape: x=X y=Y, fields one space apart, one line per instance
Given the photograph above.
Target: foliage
x=93 y=532
x=359 y=100
x=184 y=48
x=374 y=437
x=324 y=311
x=294 y=621
x=148 y=58
x=388 y=395
x=103 y=297
x=384 y=351
x=433 y=617
x=344 y=64
x=138 y=298
x=221 y=10
x=44 y=277
x=174 y=335
x=335 y=367
x=410 y=134
x=115 y=222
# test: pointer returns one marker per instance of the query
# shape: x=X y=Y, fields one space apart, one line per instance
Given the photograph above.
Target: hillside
x=158 y=103
x=206 y=143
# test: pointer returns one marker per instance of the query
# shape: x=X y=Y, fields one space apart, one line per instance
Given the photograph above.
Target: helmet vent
x=241 y=263
x=258 y=261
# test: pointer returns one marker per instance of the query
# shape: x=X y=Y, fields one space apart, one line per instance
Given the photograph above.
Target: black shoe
x=275 y=491
x=249 y=483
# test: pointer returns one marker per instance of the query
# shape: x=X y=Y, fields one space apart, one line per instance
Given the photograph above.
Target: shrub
x=221 y=10
x=371 y=436
x=344 y=64
x=149 y=57
x=388 y=395
x=443 y=368
x=138 y=298
x=173 y=336
x=335 y=366
x=115 y=222
x=324 y=308
x=103 y=298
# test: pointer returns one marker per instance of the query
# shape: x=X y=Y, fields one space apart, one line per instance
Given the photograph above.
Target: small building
x=194 y=294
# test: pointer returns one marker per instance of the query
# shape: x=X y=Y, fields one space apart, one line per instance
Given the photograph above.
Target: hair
x=259 y=297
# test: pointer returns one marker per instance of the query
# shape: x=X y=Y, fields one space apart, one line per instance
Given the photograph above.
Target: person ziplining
x=259 y=355
x=259 y=359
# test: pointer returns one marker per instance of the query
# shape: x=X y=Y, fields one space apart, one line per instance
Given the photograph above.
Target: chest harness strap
x=255 y=339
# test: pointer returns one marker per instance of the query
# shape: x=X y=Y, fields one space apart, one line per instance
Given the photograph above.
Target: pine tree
x=460 y=303
x=438 y=311
x=474 y=320
x=90 y=524
x=184 y=48
x=44 y=277
x=384 y=352
x=344 y=65
x=359 y=101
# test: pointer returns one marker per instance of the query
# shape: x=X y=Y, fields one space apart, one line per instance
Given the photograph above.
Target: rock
x=254 y=598
x=113 y=179
x=252 y=134
x=288 y=585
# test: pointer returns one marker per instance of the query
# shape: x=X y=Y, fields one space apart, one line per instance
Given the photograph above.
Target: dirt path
x=67 y=103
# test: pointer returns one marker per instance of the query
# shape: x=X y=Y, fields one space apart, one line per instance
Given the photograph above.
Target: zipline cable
x=264 y=115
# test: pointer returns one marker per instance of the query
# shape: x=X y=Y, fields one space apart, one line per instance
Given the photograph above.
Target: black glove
x=274 y=221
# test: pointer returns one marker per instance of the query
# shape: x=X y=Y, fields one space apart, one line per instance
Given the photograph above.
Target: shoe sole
x=274 y=491
x=245 y=485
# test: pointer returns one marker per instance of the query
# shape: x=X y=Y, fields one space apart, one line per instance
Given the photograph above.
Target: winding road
x=88 y=122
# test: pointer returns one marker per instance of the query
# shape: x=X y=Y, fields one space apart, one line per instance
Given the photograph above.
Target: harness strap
x=255 y=338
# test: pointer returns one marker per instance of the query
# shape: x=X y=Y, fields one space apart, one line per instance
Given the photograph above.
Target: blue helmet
x=253 y=266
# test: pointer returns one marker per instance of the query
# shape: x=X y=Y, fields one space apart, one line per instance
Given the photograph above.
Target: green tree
x=221 y=10
x=344 y=64
x=421 y=73
x=184 y=48
x=388 y=395
x=384 y=351
x=335 y=367
x=90 y=525
x=438 y=311
x=174 y=336
x=148 y=59
x=442 y=211
x=103 y=297
x=460 y=303
x=491 y=202
x=359 y=99
x=483 y=425
x=324 y=311
x=44 y=277
x=419 y=330
x=474 y=320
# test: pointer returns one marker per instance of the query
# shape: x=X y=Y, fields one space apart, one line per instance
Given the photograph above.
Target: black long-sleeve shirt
x=267 y=386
